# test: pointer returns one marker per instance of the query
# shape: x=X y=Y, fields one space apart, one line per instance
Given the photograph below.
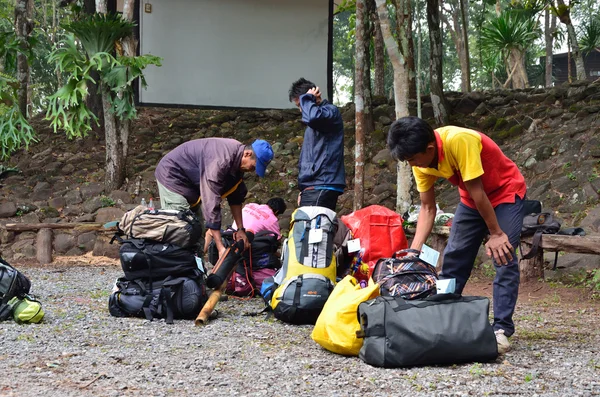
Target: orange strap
x=227 y=193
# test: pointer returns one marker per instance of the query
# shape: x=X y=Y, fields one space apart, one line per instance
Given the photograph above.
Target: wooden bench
x=531 y=269
x=43 y=244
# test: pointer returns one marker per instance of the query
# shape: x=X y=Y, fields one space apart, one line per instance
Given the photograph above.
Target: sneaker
x=502 y=341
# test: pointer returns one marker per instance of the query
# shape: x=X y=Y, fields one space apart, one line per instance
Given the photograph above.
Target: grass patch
x=541 y=334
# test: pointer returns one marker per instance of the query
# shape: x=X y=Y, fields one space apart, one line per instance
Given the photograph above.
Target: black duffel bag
x=440 y=329
x=150 y=259
x=171 y=298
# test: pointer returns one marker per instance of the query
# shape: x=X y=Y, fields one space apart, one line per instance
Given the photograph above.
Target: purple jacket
x=207 y=168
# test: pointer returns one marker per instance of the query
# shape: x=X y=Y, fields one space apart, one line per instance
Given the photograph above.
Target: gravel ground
x=80 y=350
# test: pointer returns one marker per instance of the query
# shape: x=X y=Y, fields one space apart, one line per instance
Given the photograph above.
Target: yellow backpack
x=308 y=271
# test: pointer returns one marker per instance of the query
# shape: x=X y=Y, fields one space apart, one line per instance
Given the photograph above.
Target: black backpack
x=536 y=224
x=147 y=259
x=12 y=283
x=171 y=298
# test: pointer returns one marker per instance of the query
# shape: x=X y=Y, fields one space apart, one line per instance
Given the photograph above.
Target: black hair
x=409 y=136
x=300 y=87
x=277 y=205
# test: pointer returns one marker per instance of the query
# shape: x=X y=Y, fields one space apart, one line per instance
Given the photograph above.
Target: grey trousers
x=170 y=200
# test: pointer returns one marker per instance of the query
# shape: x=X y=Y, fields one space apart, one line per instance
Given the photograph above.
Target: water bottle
x=151 y=204
x=143 y=203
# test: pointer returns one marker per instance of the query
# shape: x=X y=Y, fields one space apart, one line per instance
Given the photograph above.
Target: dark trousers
x=466 y=235
x=319 y=197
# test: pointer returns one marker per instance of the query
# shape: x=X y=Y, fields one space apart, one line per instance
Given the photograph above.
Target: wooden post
x=531 y=269
x=44 y=246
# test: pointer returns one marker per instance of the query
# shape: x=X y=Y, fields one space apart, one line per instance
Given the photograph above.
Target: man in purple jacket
x=198 y=174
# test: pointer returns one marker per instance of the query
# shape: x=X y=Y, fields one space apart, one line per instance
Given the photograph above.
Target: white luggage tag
x=429 y=255
x=315 y=236
x=353 y=245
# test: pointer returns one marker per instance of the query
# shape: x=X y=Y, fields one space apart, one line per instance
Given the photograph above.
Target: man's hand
x=241 y=235
x=316 y=92
x=500 y=248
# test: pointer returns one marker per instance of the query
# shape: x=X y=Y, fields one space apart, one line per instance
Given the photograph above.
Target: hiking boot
x=502 y=341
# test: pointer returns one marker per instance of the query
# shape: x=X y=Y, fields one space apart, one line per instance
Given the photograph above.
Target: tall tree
x=563 y=12
x=378 y=51
x=403 y=198
x=23 y=29
x=438 y=100
x=511 y=34
x=359 y=94
x=549 y=30
x=405 y=39
x=94 y=99
x=458 y=32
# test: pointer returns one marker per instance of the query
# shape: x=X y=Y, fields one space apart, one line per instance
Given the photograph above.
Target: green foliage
x=594 y=280
x=510 y=30
x=107 y=202
x=15 y=131
x=590 y=36
x=97 y=33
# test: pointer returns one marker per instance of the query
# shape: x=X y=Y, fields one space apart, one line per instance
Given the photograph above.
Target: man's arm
x=236 y=211
x=498 y=245
x=426 y=219
x=315 y=116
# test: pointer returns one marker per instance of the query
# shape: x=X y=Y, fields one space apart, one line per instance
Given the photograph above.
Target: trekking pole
x=219 y=277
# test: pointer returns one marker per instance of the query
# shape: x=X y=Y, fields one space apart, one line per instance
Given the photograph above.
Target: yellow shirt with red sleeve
x=464 y=155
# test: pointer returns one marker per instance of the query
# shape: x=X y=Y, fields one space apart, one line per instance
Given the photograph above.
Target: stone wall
x=553 y=135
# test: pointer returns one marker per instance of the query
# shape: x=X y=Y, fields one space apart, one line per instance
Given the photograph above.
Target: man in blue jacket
x=321 y=177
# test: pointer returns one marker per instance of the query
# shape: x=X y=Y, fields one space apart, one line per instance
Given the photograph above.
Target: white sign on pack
x=353 y=245
x=429 y=255
x=315 y=236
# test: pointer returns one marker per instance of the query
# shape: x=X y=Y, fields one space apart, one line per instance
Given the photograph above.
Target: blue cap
x=264 y=154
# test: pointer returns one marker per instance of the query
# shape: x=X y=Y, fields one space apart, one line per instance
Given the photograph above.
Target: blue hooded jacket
x=321 y=162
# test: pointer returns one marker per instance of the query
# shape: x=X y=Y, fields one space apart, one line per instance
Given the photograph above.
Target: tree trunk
x=359 y=89
x=101 y=7
x=94 y=99
x=455 y=29
x=115 y=164
x=516 y=61
x=404 y=27
x=378 y=52
x=576 y=53
x=438 y=100
x=419 y=52
x=404 y=181
x=129 y=50
x=465 y=65
x=498 y=8
x=549 y=28
x=23 y=28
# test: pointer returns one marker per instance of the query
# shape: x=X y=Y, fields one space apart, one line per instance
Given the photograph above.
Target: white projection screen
x=234 y=53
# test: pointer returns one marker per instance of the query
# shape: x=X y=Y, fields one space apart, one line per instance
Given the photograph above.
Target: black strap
x=146 y=307
x=535 y=245
x=5 y=311
x=297 y=294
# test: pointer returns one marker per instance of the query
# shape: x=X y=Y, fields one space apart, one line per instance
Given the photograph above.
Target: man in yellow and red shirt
x=491 y=191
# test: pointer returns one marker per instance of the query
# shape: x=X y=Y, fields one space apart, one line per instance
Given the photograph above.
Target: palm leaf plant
x=510 y=34
x=590 y=36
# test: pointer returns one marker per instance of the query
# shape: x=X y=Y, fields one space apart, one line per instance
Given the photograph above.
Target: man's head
x=277 y=205
x=256 y=157
x=300 y=87
x=411 y=139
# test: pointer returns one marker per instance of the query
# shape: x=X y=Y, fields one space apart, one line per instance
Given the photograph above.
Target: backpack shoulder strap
x=535 y=245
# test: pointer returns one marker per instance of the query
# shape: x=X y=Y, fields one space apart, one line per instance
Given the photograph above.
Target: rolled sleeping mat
x=225 y=266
